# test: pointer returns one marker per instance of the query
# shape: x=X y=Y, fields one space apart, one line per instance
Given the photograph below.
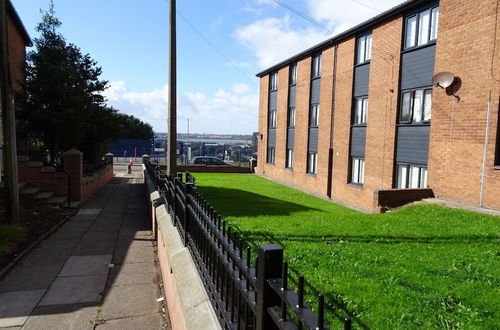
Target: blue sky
x=217 y=87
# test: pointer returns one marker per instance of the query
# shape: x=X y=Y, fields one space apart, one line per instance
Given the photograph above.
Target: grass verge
x=423 y=266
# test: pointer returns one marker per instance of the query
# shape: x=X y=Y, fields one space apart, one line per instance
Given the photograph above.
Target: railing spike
x=300 y=302
x=347 y=323
x=321 y=312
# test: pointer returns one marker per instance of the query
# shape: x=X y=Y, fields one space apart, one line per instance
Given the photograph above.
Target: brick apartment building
x=18 y=40
x=357 y=118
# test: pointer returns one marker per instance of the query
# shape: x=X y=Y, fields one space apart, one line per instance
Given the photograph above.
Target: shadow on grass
x=241 y=203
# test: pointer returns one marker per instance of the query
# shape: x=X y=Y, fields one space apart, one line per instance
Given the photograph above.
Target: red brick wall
x=17 y=55
x=466 y=47
x=55 y=182
x=89 y=189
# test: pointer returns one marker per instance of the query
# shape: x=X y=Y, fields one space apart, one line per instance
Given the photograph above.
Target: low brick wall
x=33 y=173
x=398 y=197
x=211 y=169
x=189 y=306
x=90 y=185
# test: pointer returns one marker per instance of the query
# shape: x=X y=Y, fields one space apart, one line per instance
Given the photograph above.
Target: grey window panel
x=291 y=96
x=315 y=90
x=417 y=68
x=312 y=145
x=271 y=138
x=290 y=142
x=358 y=141
x=273 y=98
x=413 y=144
x=361 y=80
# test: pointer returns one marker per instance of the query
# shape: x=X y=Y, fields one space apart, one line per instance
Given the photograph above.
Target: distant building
x=350 y=118
x=255 y=141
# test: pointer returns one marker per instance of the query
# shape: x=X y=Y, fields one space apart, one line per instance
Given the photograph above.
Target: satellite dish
x=443 y=79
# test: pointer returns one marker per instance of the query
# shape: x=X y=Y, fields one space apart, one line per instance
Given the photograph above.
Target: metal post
x=172 y=96
x=270 y=261
x=7 y=110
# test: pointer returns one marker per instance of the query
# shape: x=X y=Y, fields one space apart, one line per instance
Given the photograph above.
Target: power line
x=365 y=5
x=221 y=54
x=304 y=16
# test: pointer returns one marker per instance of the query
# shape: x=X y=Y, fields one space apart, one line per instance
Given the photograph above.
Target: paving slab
x=86 y=248
x=136 y=268
x=79 y=223
x=131 y=242
x=75 y=289
x=16 y=306
x=89 y=211
x=125 y=255
x=118 y=278
x=144 y=301
x=46 y=256
x=62 y=317
x=83 y=217
x=86 y=265
x=146 y=322
x=29 y=278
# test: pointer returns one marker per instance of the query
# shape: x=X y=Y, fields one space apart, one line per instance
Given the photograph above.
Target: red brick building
x=357 y=118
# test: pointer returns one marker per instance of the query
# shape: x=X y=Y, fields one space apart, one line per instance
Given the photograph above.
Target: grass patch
x=424 y=266
x=9 y=236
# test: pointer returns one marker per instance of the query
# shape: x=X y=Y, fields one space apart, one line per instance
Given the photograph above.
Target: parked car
x=207 y=160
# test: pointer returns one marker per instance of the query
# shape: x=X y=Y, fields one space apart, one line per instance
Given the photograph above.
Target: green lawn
x=9 y=236
x=424 y=266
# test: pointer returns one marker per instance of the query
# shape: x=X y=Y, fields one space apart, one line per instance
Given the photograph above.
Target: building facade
x=358 y=119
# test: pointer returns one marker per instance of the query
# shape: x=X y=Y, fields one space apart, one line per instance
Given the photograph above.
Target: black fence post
x=270 y=261
x=189 y=191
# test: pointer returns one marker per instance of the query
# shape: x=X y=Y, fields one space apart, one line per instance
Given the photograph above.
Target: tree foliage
x=64 y=104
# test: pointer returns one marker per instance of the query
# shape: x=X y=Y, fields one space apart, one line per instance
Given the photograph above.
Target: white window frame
x=289 y=158
x=271 y=153
x=312 y=162
x=411 y=176
x=314 y=115
x=360 y=110
x=273 y=81
x=272 y=118
x=357 y=170
x=316 y=66
x=364 y=48
x=417 y=105
x=293 y=74
x=420 y=30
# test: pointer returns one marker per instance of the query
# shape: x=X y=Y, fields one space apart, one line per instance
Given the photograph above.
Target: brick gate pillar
x=73 y=164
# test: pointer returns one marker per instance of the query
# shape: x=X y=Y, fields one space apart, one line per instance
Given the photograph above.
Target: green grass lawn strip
x=424 y=266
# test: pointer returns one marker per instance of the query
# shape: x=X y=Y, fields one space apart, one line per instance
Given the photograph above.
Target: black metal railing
x=244 y=297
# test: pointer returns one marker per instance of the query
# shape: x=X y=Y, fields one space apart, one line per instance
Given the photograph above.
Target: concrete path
x=98 y=271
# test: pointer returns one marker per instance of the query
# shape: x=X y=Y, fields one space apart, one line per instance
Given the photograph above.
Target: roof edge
x=17 y=21
x=403 y=7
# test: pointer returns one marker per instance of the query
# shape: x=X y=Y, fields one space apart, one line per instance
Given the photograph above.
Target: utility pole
x=8 y=131
x=172 y=96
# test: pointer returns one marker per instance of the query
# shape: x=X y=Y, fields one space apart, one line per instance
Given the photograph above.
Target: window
x=411 y=176
x=416 y=106
x=357 y=170
x=289 y=158
x=291 y=117
x=314 y=116
x=270 y=155
x=272 y=118
x=293 y=74
x=273 y=81
x=364 y=49
x=360 y=110
x=312 y=162
x=421 y=28
x=316 y=66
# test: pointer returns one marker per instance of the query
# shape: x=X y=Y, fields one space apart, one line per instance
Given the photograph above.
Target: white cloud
x=275 y=39
x=340 y=15
x=234 y=111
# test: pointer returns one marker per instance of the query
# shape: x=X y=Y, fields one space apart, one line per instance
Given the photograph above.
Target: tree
x=64 y=106
x=133 y=128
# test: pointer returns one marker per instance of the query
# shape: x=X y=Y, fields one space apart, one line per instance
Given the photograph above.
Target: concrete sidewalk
x=98 y=271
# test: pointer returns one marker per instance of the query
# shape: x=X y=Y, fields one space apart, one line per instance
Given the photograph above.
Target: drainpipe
x=485 y=153
x=330 y=150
